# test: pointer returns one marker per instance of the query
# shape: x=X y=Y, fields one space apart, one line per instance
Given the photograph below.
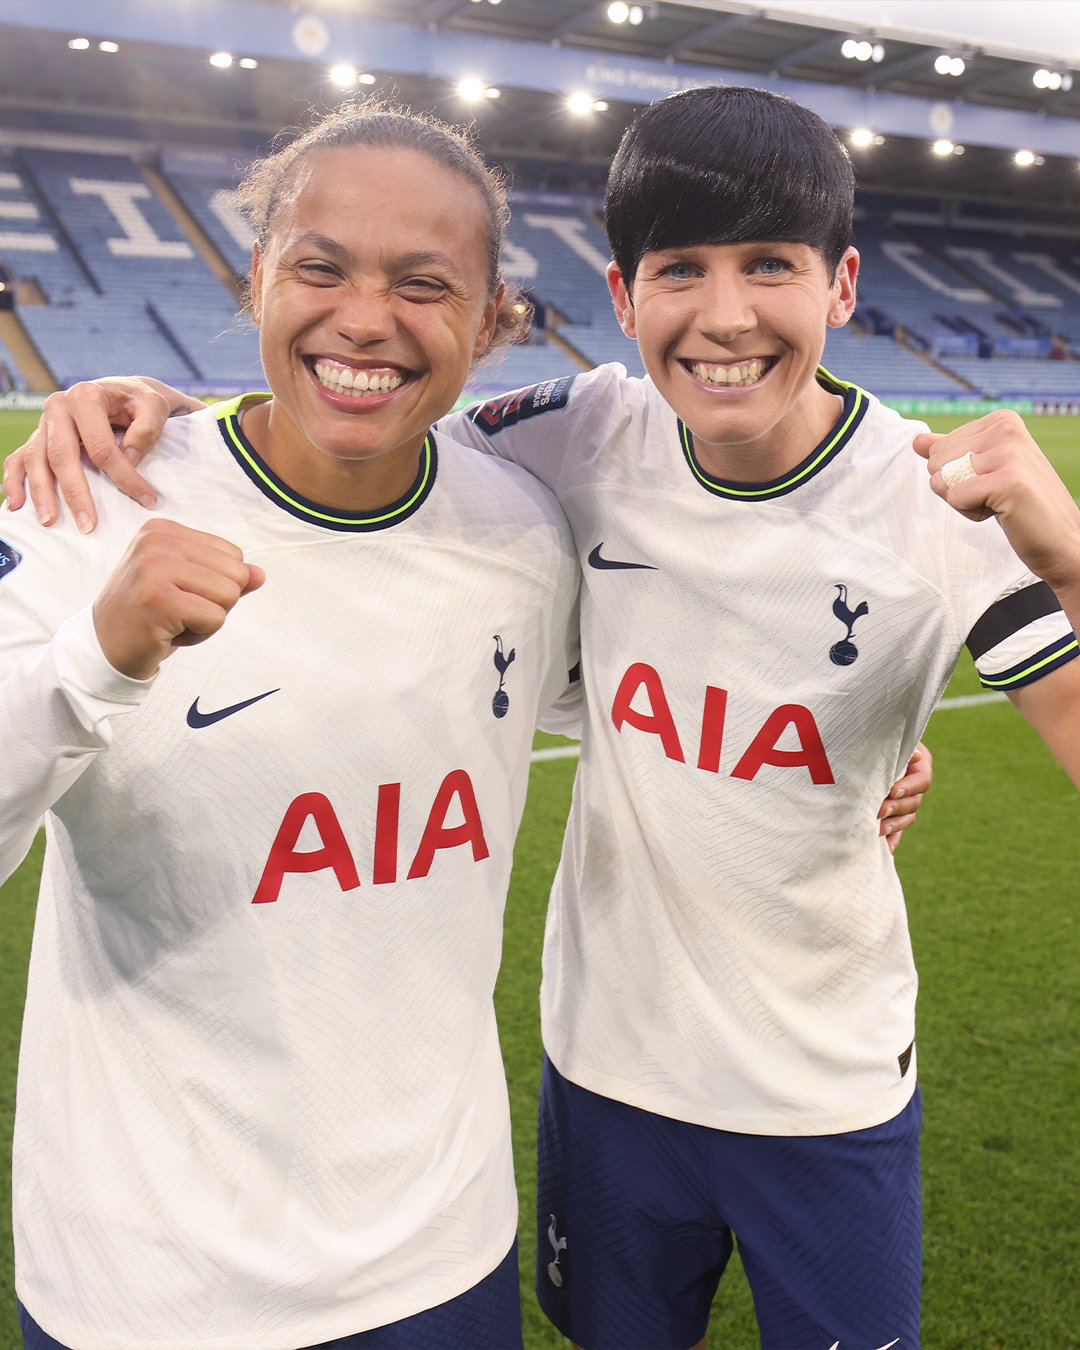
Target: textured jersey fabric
x=260 y=1099
x=727 y=941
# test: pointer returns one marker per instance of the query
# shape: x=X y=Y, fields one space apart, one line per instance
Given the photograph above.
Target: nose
x=726 y=310
x=366 y=315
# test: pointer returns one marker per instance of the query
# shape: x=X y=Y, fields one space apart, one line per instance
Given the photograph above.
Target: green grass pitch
x=992 y=878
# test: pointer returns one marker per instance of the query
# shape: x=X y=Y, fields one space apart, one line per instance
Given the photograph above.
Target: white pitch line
x=970 y=701
x=959 y=701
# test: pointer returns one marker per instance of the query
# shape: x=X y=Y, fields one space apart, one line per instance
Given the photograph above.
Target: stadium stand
x=110 y=277
x=11 y=376
x=124 y=288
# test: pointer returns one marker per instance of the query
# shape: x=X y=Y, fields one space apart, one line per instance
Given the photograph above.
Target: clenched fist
x=992 y=467
x=173 y=587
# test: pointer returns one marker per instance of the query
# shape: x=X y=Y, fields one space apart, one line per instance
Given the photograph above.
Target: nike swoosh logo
x=595 y=560
x=836 y=1345
x=197 y=719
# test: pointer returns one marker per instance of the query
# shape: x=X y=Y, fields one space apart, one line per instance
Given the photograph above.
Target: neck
x=779 y=449
x=362 y=485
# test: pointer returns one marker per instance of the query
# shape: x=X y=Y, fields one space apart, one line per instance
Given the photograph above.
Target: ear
x=491 y=319
x=842 y=300
x=256 y=288
x=620 y=298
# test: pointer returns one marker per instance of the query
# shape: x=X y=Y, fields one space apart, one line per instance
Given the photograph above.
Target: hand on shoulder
x=86 y=419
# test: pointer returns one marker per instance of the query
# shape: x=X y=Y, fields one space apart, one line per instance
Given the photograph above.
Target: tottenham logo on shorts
x=844 y=652
x=500 y=704
x=10 y=558
x=559 y=1244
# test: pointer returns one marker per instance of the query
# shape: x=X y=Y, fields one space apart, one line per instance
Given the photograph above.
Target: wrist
x=127 y=659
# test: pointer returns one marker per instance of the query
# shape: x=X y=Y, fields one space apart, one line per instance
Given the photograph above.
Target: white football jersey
x=727 y=941
x=260 y=1099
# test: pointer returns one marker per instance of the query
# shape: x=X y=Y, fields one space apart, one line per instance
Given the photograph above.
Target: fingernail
x=44 y=517
x=146 y=500
x=898 y=792
x=85 y=524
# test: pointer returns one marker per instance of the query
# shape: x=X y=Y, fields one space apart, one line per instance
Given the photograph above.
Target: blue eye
x=773 y=267
x=678 y=271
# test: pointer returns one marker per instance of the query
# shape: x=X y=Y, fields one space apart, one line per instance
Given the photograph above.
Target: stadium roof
x=160 y=86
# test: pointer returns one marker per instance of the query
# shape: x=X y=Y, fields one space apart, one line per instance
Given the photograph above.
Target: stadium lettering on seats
x=18 y=241
x=335 y=854
x=657 y=720
x=139 y=239
x=572 y=233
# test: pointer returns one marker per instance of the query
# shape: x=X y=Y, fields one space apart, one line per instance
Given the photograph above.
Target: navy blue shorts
x=637 y=1213
x=485 y=1317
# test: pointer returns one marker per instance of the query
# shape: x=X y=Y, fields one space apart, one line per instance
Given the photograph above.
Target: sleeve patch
x=510 y=409
x=10 y=558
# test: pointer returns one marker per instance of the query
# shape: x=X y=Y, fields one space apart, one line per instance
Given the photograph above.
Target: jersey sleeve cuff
x=1034 y=667
x=94 y=688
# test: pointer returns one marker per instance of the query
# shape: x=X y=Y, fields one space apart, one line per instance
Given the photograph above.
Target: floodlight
x=1024 y=158
x=79 y=44
x=470 y=89
x=580 y=103
x=343 y=75
x=618 y=12
x=492 y=92
x=636 y=15
x=877 y=52
x=600 y=105
x=108 y=46
x=365 y=79
x=943 y=147
x=863 y=51
x=222 y=60
x=248 y=63
x=862 y=136
x=848 y=48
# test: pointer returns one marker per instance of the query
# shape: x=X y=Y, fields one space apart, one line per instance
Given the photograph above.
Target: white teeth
x=340 y=379
x=742 y=373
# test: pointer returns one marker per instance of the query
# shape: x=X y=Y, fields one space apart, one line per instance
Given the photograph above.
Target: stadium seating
x=883 y=366
x=33 y=242
x=116 y=284
x=11 y=376
x=210 y=202
x=146 y=300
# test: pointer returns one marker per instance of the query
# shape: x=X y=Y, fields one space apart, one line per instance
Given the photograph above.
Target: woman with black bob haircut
x=668 y=188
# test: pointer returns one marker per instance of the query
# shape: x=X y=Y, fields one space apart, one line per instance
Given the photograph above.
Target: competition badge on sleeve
x=10 y=558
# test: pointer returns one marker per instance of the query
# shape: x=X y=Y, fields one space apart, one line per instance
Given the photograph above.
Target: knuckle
x=99 y=452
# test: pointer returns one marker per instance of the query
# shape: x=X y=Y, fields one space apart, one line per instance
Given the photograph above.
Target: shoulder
x=570 y=401
x=482 y=483
x=492 y=503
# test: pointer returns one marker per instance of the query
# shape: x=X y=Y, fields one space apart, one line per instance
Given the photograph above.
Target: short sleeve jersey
x=261 y=1101
x=727 y=941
